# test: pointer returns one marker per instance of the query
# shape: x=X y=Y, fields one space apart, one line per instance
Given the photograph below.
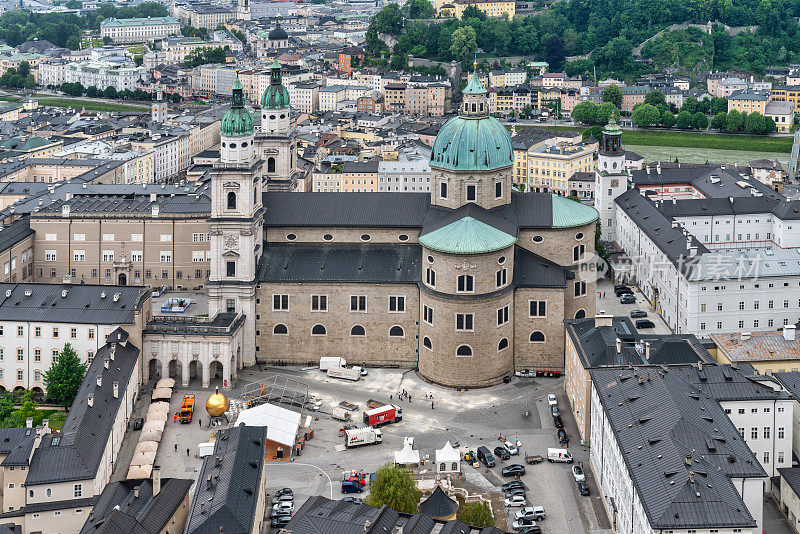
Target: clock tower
x=611 y=178
x=236 y=221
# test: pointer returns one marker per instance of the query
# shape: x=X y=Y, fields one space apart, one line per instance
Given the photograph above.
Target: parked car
x=514 y=484
x=645 y=323
x=349 y=486
x=577 y=473
x=280 y=521
x=522 y=523
x=554 y=411
x=357 y=480
x=513 y=470
x=622 y=290
x=279 y=512
x=511 y=448
x=583 y=488
x=562 y=436
x=361 y=370
x=638 y=313
x=512 y=120
x=354 y=500
x=283 y=505
x=558 y=422
x=534 y=512
x=283 y=498
x=514 y=491
x=627 y=298
x=515 y=500
x=531 y=530
x=526 y=373
x=485 y=456
x=284 y=491
x=138 y=423
x=502 y=453
x=552 y=400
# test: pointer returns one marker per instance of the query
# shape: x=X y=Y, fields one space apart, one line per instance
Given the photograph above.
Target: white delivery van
x=559 y=455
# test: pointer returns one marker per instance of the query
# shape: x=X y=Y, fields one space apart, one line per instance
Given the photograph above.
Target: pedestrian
x=200 y=421
x=187 y=452
x=390 y=397
x=176 y=447
x=431 y=405
x=409 y=399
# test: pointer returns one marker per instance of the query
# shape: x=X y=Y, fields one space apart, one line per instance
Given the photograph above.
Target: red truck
x=382 y=415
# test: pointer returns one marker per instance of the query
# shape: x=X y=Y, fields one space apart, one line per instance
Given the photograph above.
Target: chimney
x=154 y=210
x=105 y=363
x=647 y=168
x=367 y=524
x=111 y=352
x=674 y=201
x=90 y=400
x=208 y=482
x=658 y=167
x=29 y=422
x=647 y=351
x=99 y=380
x=619 y=346
x=789 y=332
x=153 y=197
x=156 y=479
x=116 y=390
x=65 y=210
x=692 y=252
x=136 y=492
x=602 y=319
x=688 y=242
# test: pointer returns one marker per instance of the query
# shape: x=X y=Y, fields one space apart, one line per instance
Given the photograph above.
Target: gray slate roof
x=75 y=453
x=792 y=477
x=118 y=509
x=231 y=501
x=83 y=303
x=438 y=504
x=658 y=418
x=714 y=181
x=14 y=233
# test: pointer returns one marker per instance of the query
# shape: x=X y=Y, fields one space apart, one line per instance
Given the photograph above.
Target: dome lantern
x=237 y=121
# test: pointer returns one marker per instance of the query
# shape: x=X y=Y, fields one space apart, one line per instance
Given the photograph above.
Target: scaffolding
x=273 y=389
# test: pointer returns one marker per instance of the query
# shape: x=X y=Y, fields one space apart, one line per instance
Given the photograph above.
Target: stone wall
x=550 y=354
x=457 y=191
x=341 y=235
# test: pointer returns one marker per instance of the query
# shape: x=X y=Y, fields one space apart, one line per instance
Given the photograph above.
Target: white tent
x=139 y=471
x=448 y=459
x=150 y=435
x=160 y=407
x=153 y=425
x=282 y=424
x=406 y=456
x=146 y=446
x=144 y=458
x=157 y=416
x=165 y=383
x=162 y=393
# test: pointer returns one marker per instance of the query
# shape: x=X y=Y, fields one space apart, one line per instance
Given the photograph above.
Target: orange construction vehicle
x=187 y=410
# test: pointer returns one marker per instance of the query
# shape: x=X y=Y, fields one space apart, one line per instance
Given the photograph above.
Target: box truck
x=383 y=415
x=344 y=373
x=331 y=362
x=362 y=436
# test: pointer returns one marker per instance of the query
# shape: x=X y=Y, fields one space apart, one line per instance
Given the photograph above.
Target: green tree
x=585 y=112
x=28 y=409
x=718 y=121
x=596 y=131
x=654 y=98
x=719 y=105
x=389 y=20
x=699 y=121
x=63 y=379
x=463 y=44
x=476 y=515
x=646 y=115
x=554 y=53
x=734 y=121
x=110 y=92
x=74 y=42
x=526 y=112
x=667 y=119
x=394 y=487
x=613 y=94
x=418 y=9
x=690 y=105
x=604 y=113
x=683 y=120
x=770 y=125
x=6 y=406
x=107 y=40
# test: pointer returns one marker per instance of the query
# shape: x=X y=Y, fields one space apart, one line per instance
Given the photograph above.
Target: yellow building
x=748 y=101
x=545 y=160
x=767 y=352
x=789 y=93
x=492 y=8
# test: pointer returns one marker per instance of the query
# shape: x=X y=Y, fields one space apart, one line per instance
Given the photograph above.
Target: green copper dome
x=237 y=122
x=275 y=96
x=467 y=236
x=472 y=144
x=568 y=214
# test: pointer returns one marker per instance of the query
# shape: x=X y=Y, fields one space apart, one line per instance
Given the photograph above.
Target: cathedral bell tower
x=276 y=136
x=236 y=221
x=159 y=107
x=611 y=179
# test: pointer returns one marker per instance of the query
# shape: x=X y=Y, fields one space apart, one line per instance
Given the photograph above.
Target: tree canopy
x=476 y=514
x=394 y=487
x=63 y=379
x=613 y=94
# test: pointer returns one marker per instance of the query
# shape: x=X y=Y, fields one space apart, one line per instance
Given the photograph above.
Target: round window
x=402 y=237
x=501 y=260
x=233 y=145
x=244 y=144
x=579 y=236
x=291 y=237
x=30 y=493
x=327 y=237
x=272 y=117
x=223 y=144
x=430 y=259
x=614 y=165
x=538 y=239
x=283 y=116
x=365 y=237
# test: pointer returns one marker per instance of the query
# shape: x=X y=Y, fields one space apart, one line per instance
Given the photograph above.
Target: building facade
x=139 y=30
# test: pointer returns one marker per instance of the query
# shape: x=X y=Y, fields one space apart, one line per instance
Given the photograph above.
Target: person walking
x=187 y=453
x=200 y=421
x=409 y=399
x=431 y=405
x=176 y=447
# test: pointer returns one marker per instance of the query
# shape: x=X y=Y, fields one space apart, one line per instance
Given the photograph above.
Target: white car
x=284 y=506
x=523 y=523
x=577 y=474
x=516 y=500
x=552 y=400
x=512 y=449
x=534 y=512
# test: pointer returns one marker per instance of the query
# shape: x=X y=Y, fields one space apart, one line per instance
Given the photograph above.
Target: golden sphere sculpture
x=217 y=404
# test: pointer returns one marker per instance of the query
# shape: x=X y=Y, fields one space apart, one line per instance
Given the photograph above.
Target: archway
x=175 y=370
x=195 y=370
x=38 y=393
x=580 y=314
x=122 y=279
x=19 y=389
x=215 y=373
x=153 y=368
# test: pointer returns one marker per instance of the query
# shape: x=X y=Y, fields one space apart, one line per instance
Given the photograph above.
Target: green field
x=9 y=98
x=719 y=141
x=91 y=43
x=136 y=50
x=88 y=104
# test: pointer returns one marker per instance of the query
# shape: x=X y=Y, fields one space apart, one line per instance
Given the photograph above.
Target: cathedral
x=468 y=283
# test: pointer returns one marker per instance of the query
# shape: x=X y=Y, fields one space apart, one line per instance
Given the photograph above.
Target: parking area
x=607 y=301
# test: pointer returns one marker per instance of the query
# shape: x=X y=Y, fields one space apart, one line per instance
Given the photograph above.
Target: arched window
x=318 y=330
x=280 y=329
x=271 y=165
x=464 y=350
x=426 y=342
x=396 y=331
x=358 y=330
x=231 y=200
x=537 y=337
x=580 y=314
x=466 y=283
x=502 y=345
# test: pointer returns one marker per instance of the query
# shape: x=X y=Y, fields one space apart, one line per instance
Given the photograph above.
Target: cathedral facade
x=468 y=283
